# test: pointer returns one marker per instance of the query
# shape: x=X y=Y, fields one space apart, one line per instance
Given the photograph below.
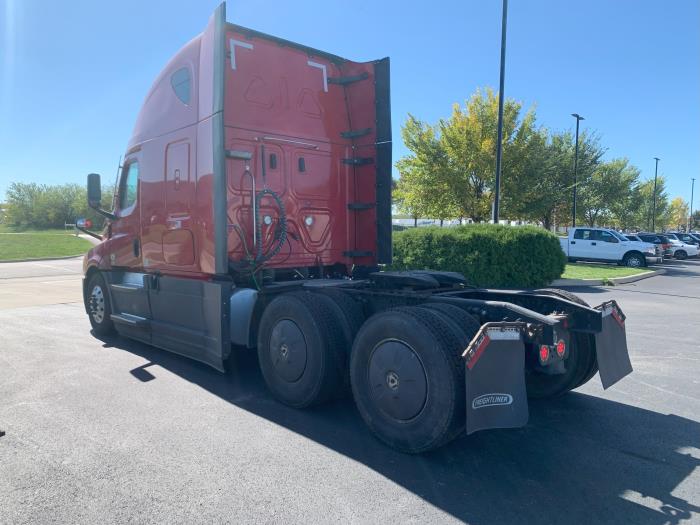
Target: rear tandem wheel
x=581 y=365
x=407 y=378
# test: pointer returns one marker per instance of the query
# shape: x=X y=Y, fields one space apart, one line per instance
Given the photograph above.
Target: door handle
x=593 y=244
x=573 y=242
x=135 y=245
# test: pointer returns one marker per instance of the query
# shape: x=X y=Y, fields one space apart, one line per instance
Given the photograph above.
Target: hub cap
x=288 y=350
x=397 y=380
x=97 y=304
x=635 y=262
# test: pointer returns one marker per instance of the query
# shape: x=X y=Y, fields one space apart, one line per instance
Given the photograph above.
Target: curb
x=601 y=282
x=44 y=259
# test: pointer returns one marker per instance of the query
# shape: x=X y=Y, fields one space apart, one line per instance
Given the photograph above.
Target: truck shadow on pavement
x=580 y=459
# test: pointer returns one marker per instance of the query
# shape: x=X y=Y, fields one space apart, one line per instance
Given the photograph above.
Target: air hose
x=280 y=232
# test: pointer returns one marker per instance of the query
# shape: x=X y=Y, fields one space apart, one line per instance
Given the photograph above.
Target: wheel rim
x=97 y=304
x=634 y=262
x=288 y=350
x=397 y=380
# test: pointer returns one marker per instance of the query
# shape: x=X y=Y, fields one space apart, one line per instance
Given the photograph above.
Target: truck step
x=126 y=287
x=355 y=133
x=343 y=81
x=130 y=320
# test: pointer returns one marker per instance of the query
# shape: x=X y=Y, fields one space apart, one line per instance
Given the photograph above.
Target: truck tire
x=681 y=255
x=634 y=260
x=581 y=365
x=466 y=324
x=301 y=349
x=407 y=379
x=584 y=340
x=98 y=306
x=350 y=316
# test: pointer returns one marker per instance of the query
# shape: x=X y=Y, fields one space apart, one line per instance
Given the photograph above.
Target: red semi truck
x=253 y=211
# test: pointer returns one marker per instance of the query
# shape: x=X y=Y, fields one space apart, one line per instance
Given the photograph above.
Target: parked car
x=682 y=250
x=604 y=245
x=686 y=238
x=663 y=242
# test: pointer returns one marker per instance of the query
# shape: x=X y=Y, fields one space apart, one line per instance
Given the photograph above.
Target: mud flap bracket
x=495 y=378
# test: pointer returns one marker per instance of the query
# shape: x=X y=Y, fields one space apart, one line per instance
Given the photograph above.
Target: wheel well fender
x=88 y=275
x=242 y=305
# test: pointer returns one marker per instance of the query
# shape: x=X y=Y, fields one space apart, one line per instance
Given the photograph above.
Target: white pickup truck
x=601 y=244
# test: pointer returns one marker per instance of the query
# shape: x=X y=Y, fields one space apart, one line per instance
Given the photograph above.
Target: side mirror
x=94 y=190
x=94 y=195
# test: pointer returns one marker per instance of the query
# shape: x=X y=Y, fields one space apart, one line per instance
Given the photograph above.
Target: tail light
x=544 y=354
x=561 y=348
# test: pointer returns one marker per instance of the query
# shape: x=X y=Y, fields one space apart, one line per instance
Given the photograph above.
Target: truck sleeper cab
x=253 y=211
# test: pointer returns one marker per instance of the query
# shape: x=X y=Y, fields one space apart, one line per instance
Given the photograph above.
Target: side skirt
x=185 y=316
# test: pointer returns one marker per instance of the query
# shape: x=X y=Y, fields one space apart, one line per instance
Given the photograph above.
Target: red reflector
x=480 y=347
x=616 y=315
x=561 y=348
x=544 y=353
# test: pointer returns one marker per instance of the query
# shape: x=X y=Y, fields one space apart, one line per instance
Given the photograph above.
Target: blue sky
x=73 y=74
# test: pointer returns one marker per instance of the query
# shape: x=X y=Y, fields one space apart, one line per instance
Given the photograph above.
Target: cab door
x=607 y=246
x=125 y=242
x=580 y=246
x=178 y=240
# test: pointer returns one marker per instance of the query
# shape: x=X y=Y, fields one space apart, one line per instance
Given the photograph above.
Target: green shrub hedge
x=487 y=254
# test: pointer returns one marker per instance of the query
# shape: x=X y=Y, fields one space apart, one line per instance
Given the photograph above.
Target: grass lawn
x=599 y=271
x=40 y=244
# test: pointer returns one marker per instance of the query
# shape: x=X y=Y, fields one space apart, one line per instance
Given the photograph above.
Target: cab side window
x=128 y=188
x=605 y=236
x=180 y=81
x=582 y=234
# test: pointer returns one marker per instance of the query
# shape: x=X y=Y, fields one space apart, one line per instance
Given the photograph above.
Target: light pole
x=653 y=209
x=690 y=217
x=578 y=118
x=499 y=143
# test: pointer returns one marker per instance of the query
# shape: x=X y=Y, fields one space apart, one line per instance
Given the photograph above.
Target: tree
x=549 y=193
x=423 y=189
x=695 y=220
x=678 y=213
x=645 y=205
x=30 y=205
x=469 y=141
x=450 y=170
x=606 y=193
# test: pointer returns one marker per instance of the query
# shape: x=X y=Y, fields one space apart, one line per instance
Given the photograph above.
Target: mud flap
x=495 y=378
x=611 y=345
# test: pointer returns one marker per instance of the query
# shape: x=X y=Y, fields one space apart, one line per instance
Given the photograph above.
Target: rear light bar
x=548 y=353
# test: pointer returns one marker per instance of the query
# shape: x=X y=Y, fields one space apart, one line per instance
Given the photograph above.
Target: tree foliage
x=678 y=213
x=31 y=205
x=450 y=171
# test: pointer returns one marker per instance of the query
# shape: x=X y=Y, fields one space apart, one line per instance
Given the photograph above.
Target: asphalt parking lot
x=116 y=431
